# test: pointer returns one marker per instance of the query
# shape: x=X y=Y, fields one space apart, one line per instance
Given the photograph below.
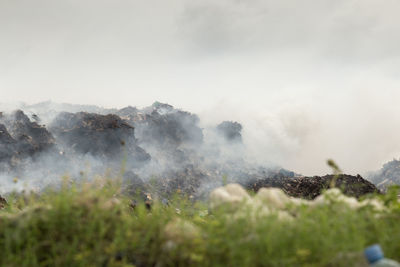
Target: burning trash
x=158 y=149
x=21 y=138
x=100 y=135
x=231 y=131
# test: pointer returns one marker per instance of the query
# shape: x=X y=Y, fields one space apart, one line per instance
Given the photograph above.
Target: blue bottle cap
x=373 y=253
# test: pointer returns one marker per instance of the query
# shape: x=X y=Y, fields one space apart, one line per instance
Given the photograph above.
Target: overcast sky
x=309 y=79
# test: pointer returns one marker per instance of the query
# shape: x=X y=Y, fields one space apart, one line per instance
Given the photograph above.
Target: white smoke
x=308 y=80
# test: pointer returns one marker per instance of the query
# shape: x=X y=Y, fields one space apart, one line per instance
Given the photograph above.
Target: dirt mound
x=311 y=187
x=100 y=135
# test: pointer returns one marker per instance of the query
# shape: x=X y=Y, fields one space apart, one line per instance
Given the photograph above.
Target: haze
x=309 y=80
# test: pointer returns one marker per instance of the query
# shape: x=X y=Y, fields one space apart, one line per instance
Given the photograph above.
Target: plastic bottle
x=374 y=255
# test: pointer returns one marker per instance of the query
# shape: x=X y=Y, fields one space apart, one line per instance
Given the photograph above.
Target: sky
x=309 y=80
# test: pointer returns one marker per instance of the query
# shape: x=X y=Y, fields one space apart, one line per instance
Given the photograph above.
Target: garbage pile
x=106 y=136
x=162 y=150
x=21 y=138
x=3 y=203
x=311 y=187
x=163 y=126
x=197 y=182
x=7 y=145
x=388 y=175
x=230 y=130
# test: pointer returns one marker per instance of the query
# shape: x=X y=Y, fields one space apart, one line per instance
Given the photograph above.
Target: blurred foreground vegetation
x=94 y=225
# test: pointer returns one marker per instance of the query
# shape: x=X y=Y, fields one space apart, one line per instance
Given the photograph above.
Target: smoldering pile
x=157 y=149
x=105 y=136
x=387 y=176
x=21 y=138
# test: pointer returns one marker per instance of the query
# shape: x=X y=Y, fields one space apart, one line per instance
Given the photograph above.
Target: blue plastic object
x=373 y=253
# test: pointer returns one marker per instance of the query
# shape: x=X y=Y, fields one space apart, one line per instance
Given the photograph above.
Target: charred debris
x=105 y=136
x=311 y=187
x=21 y=138
x=163 y=150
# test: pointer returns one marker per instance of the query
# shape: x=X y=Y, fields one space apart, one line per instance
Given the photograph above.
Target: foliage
x=93 y=225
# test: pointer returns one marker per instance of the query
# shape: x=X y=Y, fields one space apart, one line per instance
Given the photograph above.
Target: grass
x=94 y=225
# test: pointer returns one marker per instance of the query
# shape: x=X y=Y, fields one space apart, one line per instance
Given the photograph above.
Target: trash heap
x=21 y=138
x=230 y=130
x=162 y=150
x=105 y=136
x=311 y=187
x=387 y=176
